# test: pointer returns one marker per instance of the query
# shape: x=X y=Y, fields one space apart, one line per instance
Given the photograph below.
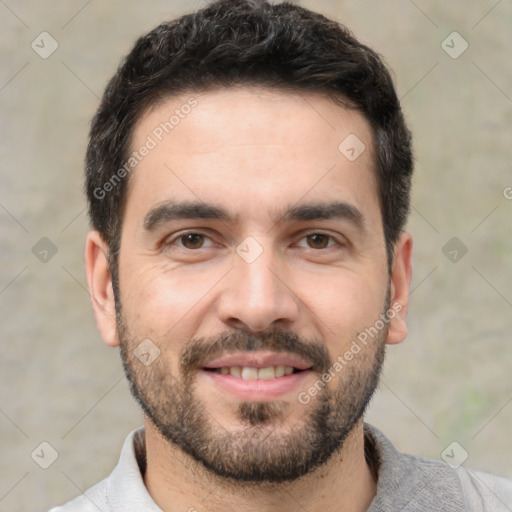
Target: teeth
x=235 y=371
x=266 y=373
x=251 y=373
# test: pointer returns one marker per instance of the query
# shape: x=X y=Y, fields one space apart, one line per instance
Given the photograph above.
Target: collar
x=404 y=482
x=126 y=490
x=410 y=483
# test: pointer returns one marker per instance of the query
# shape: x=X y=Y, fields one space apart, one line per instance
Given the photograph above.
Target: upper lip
x=259 y=360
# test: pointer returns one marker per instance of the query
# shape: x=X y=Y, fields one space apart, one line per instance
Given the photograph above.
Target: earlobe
x=401 y=274
x=101 y=291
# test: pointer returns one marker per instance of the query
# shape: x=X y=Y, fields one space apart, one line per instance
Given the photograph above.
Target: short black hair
x=247 y=42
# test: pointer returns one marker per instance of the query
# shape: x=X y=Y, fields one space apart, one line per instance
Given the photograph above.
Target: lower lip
x=257 y=389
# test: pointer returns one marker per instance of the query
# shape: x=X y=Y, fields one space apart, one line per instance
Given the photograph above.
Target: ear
x=100 y=287
x=401 y=272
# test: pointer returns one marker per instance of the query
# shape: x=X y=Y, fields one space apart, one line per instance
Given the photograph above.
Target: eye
x=319 y=241
x=191 y=241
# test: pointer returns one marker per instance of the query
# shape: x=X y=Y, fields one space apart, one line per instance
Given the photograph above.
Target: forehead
x=254 y=150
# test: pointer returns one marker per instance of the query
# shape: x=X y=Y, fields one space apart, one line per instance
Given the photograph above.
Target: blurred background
x=450 y=381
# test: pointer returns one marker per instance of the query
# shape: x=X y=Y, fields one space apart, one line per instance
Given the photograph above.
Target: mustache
x=202 y=350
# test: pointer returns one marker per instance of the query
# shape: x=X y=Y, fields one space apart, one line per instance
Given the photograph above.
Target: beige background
x=450 y=381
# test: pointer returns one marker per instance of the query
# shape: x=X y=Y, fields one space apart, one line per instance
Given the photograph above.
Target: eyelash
x=305 y=236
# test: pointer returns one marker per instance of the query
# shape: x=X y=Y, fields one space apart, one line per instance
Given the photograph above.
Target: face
x=252 y=269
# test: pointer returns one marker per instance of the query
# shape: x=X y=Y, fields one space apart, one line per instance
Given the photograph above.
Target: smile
x=252 y=373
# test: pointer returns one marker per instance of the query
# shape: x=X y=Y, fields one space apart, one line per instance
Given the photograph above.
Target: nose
x=258 y=295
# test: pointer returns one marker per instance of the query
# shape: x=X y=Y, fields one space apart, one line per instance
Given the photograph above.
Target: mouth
x=256 y=375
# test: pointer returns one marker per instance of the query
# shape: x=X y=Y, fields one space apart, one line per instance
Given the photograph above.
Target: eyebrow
x=172 y=210
x=178 y=210
x=316 y=211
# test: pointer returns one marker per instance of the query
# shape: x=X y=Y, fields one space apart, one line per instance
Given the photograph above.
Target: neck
x=177 y=482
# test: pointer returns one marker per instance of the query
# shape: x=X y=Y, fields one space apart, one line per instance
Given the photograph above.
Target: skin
x=253 y=151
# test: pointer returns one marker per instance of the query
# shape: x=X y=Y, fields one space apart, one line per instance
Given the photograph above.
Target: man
x=248 y=177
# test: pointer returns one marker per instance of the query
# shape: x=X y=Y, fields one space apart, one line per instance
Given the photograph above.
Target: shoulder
x=92 y=500
x=485 y=490
x=409 y=482
x=123 y=489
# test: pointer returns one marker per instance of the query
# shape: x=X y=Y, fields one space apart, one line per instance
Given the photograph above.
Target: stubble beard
x=266 y=448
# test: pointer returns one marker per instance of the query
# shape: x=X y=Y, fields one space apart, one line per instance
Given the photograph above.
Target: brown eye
x=318 y=240
x=192 y=240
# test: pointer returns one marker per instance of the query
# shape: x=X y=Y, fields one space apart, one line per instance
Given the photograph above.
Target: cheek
x=345 y=303
x=166 y=302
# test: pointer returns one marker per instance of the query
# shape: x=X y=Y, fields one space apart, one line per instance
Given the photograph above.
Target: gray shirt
x=405 y=483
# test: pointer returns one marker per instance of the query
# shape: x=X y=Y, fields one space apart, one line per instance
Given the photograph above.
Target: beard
x=265 y=449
